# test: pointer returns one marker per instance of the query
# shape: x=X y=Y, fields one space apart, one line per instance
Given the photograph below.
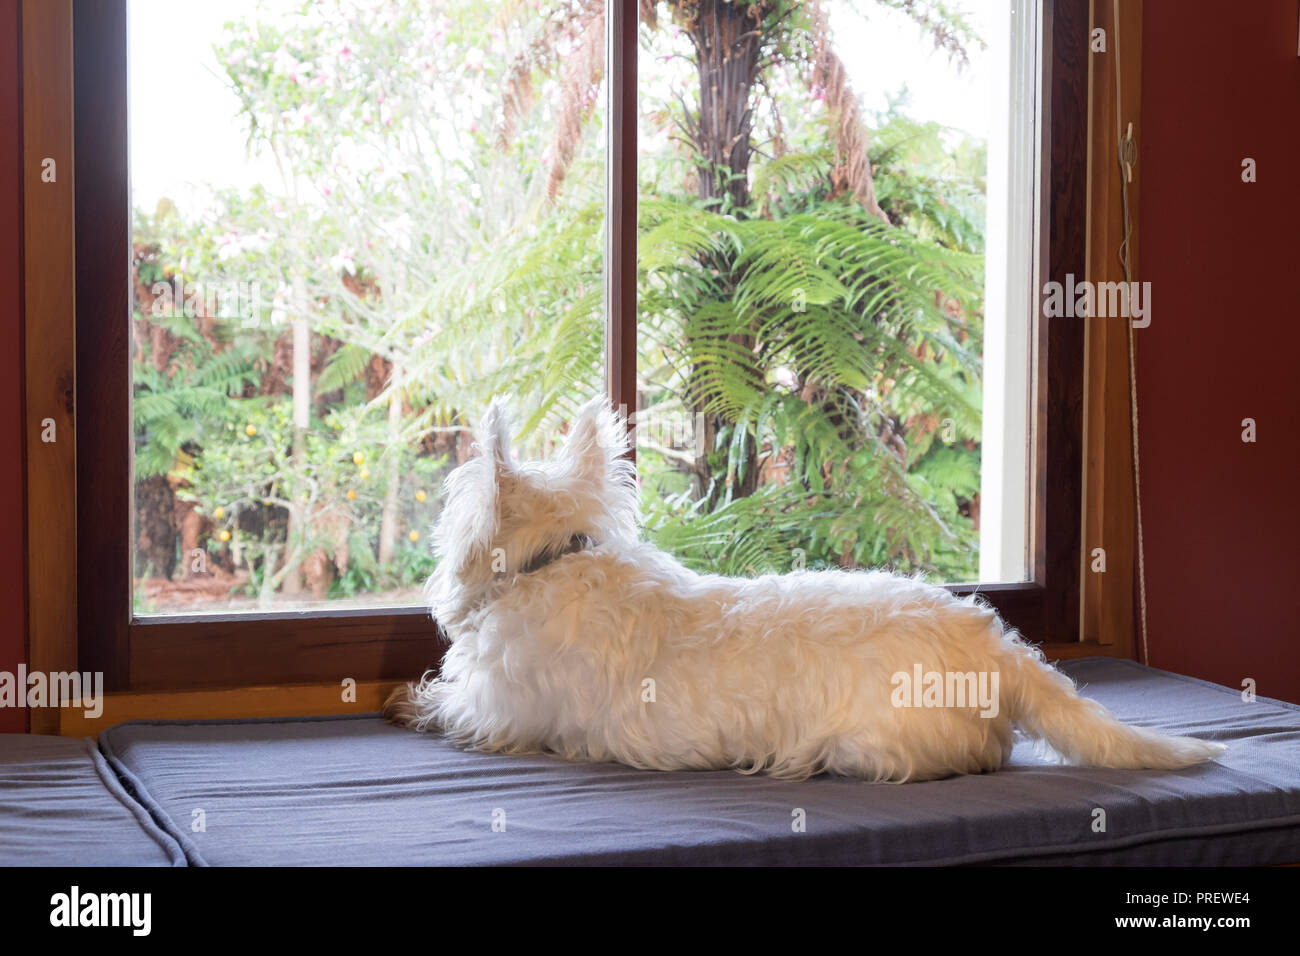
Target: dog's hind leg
x=400 y=707
x=412 y=705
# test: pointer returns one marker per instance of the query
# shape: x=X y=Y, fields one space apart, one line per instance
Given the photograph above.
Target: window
x=834 y=278
x=1031 y=573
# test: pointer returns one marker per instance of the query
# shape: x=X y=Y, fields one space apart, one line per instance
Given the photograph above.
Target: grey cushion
x=61 y=805
x=354 y=790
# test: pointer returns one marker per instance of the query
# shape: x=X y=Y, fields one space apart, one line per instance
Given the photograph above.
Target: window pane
x=813 y=262
x=354 y=223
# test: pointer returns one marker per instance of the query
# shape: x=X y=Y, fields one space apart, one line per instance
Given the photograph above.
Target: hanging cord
x=1127 y=156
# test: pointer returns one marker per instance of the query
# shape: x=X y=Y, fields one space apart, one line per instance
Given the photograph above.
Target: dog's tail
x=1043 y=703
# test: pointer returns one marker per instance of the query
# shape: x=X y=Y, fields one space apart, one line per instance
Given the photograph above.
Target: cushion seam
x=140 y=813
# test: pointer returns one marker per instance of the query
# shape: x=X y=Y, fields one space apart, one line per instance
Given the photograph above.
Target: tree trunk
x=155 y=532
x=390 y=515
x=726 y=44
x=726 y=40
x=292 y=583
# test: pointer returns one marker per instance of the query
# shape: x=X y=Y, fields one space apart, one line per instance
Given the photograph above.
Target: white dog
x=571 y=636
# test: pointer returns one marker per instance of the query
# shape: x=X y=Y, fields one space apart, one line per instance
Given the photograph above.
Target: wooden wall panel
x=1109 y=522
x=49 y=283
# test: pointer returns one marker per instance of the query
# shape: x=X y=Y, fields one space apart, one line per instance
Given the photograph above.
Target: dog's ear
x=470 y=515
x=597 y=440
x=494 y=437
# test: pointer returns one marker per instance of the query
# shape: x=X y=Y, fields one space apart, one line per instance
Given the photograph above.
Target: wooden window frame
x=87 y=621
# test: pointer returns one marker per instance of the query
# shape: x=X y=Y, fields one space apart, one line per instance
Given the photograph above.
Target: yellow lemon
x=219 y=513
x=250 y=430
x=365 y=473
x=414 y=536
x=224 y=535
x=420 y=495
x=351 y=494
x=358 y=458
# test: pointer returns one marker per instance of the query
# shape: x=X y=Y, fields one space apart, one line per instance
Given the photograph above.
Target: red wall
x=1221 y=82
x=12 y=504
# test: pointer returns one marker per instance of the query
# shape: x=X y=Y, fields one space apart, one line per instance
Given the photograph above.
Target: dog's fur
x=560 y=618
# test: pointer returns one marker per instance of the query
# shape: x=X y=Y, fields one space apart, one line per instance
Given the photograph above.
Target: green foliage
x=338 y=491
x=820 y=334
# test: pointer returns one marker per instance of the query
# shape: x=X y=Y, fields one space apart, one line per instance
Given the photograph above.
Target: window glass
x=354 y=223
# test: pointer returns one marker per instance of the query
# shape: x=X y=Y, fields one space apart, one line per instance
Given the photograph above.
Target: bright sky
x=185 y=124
x=889 y=50
x=185 y=127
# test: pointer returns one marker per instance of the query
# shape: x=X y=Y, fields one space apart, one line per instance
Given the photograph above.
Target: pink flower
x=344 y=261
x=283 y=62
